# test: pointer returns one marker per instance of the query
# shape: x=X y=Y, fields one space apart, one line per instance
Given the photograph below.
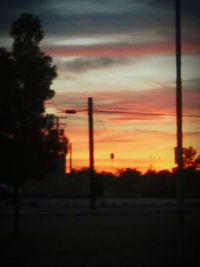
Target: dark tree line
x=131 y=183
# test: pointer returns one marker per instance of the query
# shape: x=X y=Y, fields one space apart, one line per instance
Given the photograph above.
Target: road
x=111 y=235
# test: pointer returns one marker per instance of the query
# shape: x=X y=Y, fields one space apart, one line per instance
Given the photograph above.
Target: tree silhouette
x=28 y=144
x=190 y=158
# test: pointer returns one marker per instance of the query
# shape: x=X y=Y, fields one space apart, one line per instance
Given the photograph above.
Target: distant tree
x=129 y=173
x=28 y=139
x=190 y=158
x=197 y=162
x=164 y=172
x=150 y=172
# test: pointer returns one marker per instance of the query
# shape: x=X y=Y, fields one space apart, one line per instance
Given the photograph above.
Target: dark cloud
x=12 y=9
x=147 y=16
x=20 y=4
x=188 y=7
x=67 y=17
x=106 y=24
x=61 y=17
x=86 y=64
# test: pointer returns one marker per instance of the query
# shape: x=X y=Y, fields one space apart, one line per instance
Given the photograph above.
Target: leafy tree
x=129 y=173
x=29 y=142
x=190 y=158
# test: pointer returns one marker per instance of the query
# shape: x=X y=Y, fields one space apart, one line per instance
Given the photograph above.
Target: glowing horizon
x=123 y=55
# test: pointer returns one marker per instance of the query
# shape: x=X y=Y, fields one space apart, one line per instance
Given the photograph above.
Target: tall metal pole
x=91 y=152
x=179 y=159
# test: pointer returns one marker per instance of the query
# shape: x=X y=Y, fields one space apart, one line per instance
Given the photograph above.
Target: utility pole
x=57 y=122
x=91 y=152
x=178 y=149
x=70 y=157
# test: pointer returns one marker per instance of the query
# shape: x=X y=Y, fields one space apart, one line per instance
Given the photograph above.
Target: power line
x=110 y=111
x=143 y=113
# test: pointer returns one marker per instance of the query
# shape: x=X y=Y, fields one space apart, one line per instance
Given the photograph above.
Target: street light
x=91 y=148
x=70 y=111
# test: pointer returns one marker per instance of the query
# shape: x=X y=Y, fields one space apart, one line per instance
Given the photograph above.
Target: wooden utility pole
x=70 y=157
x=178 y=150
x=91 y=152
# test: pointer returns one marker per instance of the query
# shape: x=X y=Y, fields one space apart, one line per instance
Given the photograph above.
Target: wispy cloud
x=127 y=106
x=122 y=50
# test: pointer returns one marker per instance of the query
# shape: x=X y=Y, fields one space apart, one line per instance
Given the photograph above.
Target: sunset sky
x=121 y=53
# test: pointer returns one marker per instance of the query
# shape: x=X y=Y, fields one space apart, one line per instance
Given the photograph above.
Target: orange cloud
x=133 y=105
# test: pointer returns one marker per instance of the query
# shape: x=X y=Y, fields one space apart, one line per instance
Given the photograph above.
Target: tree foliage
x=190 y=158
x=27 y=135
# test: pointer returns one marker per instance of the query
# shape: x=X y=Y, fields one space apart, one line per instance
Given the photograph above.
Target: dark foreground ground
x=108 y=236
